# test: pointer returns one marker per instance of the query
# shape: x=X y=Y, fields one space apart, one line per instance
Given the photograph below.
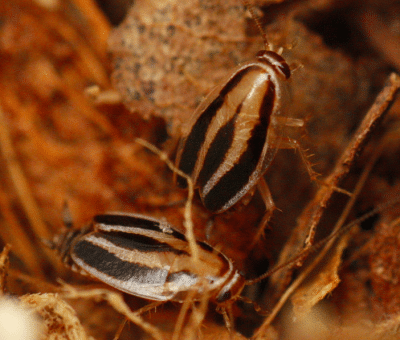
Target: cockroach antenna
x=256 y=18
x=336 y=234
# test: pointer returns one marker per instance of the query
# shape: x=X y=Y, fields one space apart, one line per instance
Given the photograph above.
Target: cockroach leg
x=209 y=227
x=149 y=307
x=269 y=206
x=290 y=122
x=227 y=314
x=290 y=143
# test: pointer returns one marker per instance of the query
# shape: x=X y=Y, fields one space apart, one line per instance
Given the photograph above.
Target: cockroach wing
x=233 y=135
x=145 y=257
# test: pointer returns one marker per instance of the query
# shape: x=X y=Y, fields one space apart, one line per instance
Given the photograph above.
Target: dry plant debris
x=57 y=145
x=35 y=316
x=59 y=318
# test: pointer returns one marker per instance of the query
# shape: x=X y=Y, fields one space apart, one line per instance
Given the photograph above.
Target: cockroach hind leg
x=269 y=206
x=289 y=143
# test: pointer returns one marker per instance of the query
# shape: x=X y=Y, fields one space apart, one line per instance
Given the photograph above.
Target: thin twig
x=117 y=302
x=188 y=206
x=311 y=215
x=313 y=212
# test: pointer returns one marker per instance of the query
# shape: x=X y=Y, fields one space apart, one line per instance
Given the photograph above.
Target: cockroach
x=149 y=258
x=232 y=137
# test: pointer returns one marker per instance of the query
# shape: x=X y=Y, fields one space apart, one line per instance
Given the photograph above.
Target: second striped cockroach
x=147 y=257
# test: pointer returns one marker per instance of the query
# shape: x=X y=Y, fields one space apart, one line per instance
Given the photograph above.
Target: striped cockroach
x=232 y=137
x=147 y=257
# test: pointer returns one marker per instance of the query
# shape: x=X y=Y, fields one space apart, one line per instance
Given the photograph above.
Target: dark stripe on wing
x=140 y=243
x=109 y=264
x=197 y=135
x=217 y=150
x=129 y=221
x=234 y=180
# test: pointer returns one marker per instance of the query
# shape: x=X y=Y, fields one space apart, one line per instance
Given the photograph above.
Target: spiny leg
x=227 y=314
x=140 y=311
x=120 y=328
x=148 y=307
x=269 y=206
x=289 y=143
